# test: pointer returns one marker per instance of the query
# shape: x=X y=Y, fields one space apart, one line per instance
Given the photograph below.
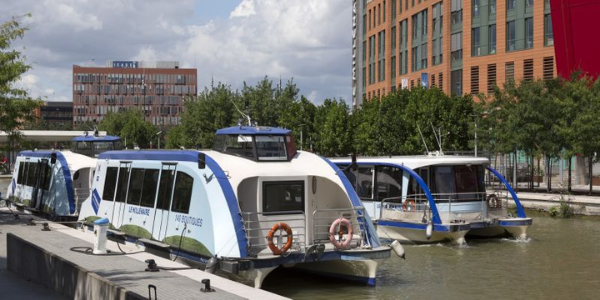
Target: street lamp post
x=158 y=139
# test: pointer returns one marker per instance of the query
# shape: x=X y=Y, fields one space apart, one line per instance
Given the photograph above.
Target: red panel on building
x=576 y=26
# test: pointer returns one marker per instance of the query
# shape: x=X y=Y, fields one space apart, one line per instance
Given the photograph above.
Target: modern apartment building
x=157 y=88
x=460 y=46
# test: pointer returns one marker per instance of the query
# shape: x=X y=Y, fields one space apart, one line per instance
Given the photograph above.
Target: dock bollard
x=100 y=228
x=206 y=287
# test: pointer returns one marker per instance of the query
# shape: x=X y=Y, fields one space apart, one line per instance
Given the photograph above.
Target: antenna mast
x=422 y=138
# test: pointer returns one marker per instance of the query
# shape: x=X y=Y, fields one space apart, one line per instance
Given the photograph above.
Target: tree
x=16 y=106
x=131 y=126
x=214 y=108
x=332 y=123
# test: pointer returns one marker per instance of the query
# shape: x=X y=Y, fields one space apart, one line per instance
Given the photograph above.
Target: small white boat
x=54 y=183
x=434 y=198
x=248 y=206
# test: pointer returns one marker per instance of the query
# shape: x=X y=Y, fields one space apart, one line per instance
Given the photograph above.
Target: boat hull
x=512 y=227
x=411 y=232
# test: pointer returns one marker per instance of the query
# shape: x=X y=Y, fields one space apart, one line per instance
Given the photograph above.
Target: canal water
x=560 y=260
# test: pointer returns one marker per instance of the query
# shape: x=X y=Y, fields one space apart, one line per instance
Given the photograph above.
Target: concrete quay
x=56 y=265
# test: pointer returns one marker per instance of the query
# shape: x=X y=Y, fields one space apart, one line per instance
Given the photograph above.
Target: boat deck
x=59 y=260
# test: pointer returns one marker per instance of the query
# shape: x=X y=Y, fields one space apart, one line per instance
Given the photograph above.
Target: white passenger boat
x=253 y=203
x=434 y=198
x=54 y=183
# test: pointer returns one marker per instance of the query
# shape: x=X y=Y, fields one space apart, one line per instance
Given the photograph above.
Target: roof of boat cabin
x=93 y=138
x=416 y=160
x=252 y=130
x=161 y=155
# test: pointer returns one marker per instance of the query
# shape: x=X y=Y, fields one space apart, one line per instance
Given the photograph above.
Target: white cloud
x=309 y=41
x=244 y=9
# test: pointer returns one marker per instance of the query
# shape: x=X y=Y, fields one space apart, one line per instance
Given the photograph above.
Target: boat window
x=149 y=187
x=31 y=170
x=481 y=180
x=136 y=182
x=47 y=174
x=20 y=174
x=83 y=148
x=466 y=182
x=283 y=196
x=122 y=185
x=240 y=145
x=364 y=185
x=110 y=183
x=389 y=183
x=443 y=182
x=165 y=188
x=100 y=147
x=183 y=193
x=271 y=147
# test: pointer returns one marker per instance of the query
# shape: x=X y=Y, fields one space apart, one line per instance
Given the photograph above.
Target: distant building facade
x=157 y=88
x=57 y=115
x=459 y=46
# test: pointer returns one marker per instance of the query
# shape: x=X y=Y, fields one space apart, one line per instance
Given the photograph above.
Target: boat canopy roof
x=93 y=138
x=253 y=130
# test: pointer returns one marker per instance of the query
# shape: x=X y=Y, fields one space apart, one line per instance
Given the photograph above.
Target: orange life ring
x=339 y=244
x=409 y=205
x=280 y=226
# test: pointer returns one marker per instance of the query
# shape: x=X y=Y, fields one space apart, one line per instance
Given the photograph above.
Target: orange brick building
x=157 y=88
x=459 y=46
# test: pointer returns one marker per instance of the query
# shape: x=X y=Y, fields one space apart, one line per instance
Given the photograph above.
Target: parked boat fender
x=280 y=226
x=339 y=244
x=398 y=249
x=409 y=205
x=429 y=229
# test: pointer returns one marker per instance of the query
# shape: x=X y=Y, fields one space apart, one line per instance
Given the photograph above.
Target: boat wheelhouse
x=252 y=203
x=434 y=198
x=56 y=182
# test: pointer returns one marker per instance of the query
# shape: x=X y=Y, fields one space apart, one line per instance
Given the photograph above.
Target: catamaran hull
x=417 y=232
x=514 y=227
x=362 y=271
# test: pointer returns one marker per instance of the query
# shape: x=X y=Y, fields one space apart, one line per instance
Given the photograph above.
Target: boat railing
x=80 y=195
x=258 y=225
x=417 y=205
x=323 y=218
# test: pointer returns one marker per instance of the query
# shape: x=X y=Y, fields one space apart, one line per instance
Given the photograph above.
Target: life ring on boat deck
x=280 y=226
x=409 y=205
x=339 y=244
x=493 y=201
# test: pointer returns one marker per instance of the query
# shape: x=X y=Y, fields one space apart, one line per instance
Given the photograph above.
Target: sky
x=228 y=41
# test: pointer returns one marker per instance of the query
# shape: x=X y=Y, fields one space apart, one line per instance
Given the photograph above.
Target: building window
x=475 y=40
x=528 y=33
x=456 y=45
x=492 y=38
x=511 y=4
x=510 y=71
x=548 y=67
x=476 y=8
x=475 y=80
x=492 y=7
x=491 y=78
x=510 y=36
x=548 y=35
x=529 y=4
x=456 y=82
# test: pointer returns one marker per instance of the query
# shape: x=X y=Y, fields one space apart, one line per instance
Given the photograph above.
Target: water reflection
x=560 y=260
